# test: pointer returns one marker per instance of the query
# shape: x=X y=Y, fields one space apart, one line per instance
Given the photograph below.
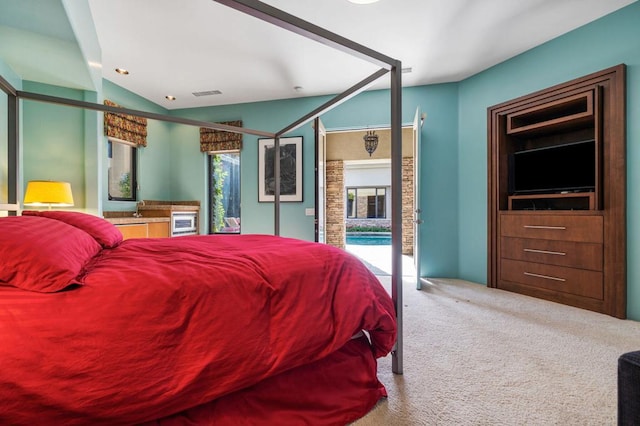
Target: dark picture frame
x=290 y=170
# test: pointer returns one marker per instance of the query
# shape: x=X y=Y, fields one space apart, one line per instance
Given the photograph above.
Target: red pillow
x=43 y=255
x=103 y=231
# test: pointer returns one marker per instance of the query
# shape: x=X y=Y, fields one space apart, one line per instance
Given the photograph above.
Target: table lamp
x=48 y=193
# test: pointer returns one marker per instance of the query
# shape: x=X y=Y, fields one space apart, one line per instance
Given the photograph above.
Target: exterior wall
x=336 y=214
x=349 y=146
x=373 y=172
x=335 y=227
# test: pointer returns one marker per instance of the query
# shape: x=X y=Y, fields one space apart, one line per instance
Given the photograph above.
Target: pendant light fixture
x=370 y=141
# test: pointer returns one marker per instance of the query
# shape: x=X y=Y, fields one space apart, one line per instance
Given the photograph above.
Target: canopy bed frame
x=306 y=29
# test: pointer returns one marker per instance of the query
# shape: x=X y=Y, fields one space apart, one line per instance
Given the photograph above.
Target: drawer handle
x=561 y=228
x=546 y=277
x=556 y=253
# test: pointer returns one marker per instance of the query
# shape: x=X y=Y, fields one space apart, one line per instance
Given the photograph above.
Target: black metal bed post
x=13 y=148
x=14 y=152
x=276 y=188
x=150 y=115
x=396 y=210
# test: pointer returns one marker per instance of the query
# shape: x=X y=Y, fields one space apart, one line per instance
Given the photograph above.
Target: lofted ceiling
x=178 y=47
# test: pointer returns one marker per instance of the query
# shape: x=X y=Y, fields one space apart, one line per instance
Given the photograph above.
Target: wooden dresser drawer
x=562 y=253
x=553 y=227
x=580 y=282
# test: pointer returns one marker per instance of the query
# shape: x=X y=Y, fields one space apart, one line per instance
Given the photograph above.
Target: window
x=224 y=192
x=122 y=171
x=366 y=203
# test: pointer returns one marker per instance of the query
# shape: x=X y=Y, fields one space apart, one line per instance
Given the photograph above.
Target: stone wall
x=407 y=205
x=335 y=226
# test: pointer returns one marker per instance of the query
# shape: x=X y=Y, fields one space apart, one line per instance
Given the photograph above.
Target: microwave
x=184 y=223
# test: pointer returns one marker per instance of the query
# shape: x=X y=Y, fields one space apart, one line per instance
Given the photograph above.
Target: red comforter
x=152 y=327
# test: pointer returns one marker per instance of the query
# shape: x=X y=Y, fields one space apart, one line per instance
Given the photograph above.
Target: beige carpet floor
x=480 y=356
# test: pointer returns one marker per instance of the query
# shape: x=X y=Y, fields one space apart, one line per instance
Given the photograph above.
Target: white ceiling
x=177 y=47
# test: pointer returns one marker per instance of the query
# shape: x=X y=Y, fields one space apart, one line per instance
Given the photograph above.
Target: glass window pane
x=351 y=202
x=225 y=193
x=380 y=208
x=366 y=203
x=363 y=199
x=122 y=179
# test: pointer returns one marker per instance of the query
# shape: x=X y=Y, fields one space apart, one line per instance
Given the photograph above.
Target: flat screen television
x=555 y=169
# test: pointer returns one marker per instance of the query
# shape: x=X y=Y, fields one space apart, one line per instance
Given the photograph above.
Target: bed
x=264 y=12
x=215 y=329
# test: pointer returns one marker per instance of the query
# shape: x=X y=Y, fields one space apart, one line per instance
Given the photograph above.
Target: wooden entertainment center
x=557 y=193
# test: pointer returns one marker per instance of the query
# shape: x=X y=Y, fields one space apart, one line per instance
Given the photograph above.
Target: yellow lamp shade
x=48 y=193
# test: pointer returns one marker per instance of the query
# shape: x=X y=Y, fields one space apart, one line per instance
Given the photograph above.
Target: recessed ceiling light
x=298 y=88
x=170 y=97
x=363 y=1
x=122 y=71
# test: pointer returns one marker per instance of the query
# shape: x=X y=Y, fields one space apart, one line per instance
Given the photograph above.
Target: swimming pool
x=368 y=238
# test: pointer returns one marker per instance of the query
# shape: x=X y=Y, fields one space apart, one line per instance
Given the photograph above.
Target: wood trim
x=9 y=207
x=513 y=127
x=589 y=198
x=492 y=202
x=615 y=204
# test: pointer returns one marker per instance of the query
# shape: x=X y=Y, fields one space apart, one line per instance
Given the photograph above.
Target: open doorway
x=357 y=196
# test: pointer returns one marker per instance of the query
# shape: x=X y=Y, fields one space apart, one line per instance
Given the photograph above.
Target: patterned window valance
x=219 y=140
x=128 y=128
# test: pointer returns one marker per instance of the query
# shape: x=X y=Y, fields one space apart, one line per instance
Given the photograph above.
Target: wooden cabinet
x=158 y=229
x=557 y=194
x=144 y=229
x=137 y=230
x=552 y=227
x=547 y=255
x=551 y=252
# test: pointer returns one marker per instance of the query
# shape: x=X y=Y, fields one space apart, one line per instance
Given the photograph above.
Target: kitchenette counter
x=133 y=219
x=184 y=215
x=132 y=225
x=155 y=218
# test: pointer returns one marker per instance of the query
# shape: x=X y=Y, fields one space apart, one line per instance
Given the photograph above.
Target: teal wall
x=189 y=167
x=606 y=42
x=154 y=160
x=9 y=74
x=439 y=161
x=53 y=140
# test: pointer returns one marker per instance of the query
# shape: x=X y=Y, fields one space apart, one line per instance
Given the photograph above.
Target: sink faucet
x=137 y=213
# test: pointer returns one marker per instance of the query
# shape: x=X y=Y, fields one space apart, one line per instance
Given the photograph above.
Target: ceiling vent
x=207 y=93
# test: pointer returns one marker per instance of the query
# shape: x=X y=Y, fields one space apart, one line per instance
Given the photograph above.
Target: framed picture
x=290 y=169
